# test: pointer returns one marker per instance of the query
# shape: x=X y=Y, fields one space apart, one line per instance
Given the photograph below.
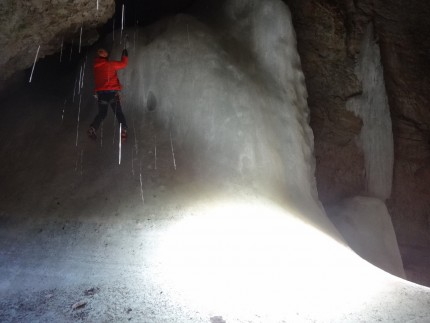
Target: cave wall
x=329 y=34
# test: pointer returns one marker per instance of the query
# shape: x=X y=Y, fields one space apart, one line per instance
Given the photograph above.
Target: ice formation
x=376 y=137
x=234 y=100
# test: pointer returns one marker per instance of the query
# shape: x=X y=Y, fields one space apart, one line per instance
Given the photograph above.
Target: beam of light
x=34 y=64
x=256 y=258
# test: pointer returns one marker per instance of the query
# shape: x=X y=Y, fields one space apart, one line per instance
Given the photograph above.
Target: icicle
x=97 y=5
x=77 y=127
x=71 y=51
x=155 y=152
x=80 y=40
x=61 y=50
x=34 y=64
x=122 y=22
x=80 y=80
x=141 y=189
x=119 y=152
x=77 y=161
x=173 y=152
x=74 y=89
x=83 y=73
x=64 y=108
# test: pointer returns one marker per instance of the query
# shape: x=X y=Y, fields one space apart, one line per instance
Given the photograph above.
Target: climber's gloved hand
x=125 y=53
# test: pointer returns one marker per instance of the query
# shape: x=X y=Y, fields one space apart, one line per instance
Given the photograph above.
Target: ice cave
x=276 y=165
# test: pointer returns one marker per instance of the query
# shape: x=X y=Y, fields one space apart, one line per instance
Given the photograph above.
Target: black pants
x=106 y=98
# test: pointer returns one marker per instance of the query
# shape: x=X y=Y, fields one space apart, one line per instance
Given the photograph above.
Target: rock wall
x=329 y=34
x=26 y=24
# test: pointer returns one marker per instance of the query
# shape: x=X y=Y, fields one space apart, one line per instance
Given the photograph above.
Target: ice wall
x=376 y=137
x=234 y=97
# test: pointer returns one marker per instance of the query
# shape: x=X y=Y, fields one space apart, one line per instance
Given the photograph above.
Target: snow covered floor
x=230 y=230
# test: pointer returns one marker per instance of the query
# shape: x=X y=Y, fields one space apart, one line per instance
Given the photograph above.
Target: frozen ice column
x=376 y=137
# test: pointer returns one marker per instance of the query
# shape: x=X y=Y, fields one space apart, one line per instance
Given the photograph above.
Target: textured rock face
x=403 y=28
x=329 y=35
x=330 y=78
x=26 y=24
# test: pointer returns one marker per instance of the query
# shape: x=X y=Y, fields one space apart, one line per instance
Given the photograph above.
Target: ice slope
x=235 y=100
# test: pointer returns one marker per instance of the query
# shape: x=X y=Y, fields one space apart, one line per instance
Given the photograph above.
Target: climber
x=107 y=88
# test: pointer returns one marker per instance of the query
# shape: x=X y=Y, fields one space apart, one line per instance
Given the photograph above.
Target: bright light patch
x=258 y=258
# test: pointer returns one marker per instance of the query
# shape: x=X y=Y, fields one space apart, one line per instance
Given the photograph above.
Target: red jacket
x=105 y=73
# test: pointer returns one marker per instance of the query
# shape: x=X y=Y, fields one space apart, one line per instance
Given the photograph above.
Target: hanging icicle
x=83 y=73
x=74 y=89
x=80 y=40
x=64 y=108
x=34 y=64
x=122 y=19
x=71 y=51
x=61 y=50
